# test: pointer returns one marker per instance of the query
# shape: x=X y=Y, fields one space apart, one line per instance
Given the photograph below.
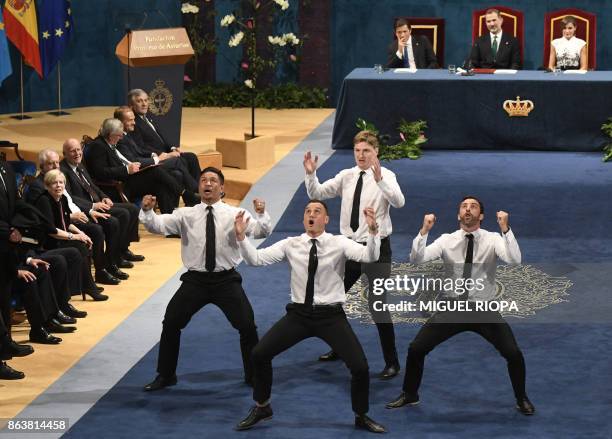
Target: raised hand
x=148 y=202
x=370 y=215
x=428 y=222
x=240 y=225
x=376 y=169
x=310 y=164
x=502 y=220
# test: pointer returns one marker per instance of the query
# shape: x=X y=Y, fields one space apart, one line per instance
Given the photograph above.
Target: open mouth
x=311 y=222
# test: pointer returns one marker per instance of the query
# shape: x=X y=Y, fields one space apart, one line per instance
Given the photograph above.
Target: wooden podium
x=154 y=61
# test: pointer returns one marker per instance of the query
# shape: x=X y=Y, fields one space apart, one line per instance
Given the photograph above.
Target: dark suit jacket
x=149 y=139
x=424 y=56
x=77 y=190
x=508 y=53
x=102 y=162
x=134 y=152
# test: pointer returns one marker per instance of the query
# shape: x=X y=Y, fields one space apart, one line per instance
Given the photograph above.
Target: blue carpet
x=560 y=212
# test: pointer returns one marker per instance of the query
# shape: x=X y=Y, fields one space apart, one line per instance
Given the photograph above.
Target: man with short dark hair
x=496 y=49
x=469 y=253
x=210 y=253
x=366 y=184
x=316 y=259
x=410 y=51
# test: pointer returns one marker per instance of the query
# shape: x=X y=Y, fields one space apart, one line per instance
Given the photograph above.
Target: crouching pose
x=317 y=262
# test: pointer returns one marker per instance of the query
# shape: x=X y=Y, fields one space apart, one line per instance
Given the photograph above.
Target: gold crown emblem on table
x=518 y=107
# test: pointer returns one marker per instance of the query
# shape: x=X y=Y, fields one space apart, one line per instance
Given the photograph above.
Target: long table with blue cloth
x=466 y=112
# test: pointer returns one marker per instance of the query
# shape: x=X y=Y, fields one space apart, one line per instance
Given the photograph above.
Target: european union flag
x=55 y=27
x=5 y=59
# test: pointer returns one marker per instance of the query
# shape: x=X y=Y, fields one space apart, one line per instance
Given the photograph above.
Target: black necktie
x=210 y=240
x=313 y=263
x=356 y=201
x=92 y=194
x=469 y=256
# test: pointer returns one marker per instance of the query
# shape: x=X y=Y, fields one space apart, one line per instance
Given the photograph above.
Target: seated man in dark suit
x=105 y=163
x=410 y=51
x=148 y=135
x=122 y=226
x=169 y=162
x=496 y=49
x=106 y=272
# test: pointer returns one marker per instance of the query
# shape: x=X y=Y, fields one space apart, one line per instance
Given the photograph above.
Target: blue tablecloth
x=465 y=112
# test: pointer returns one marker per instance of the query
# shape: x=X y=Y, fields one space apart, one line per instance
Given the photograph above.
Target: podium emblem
x=161 y=99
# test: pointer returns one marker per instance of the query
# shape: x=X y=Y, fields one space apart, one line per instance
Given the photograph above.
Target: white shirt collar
x=305 y=237
x=498 y=35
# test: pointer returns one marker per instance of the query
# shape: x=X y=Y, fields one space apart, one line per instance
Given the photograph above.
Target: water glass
x=452 y=69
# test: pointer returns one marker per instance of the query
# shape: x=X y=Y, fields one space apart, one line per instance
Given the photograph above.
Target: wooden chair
x=433 y=28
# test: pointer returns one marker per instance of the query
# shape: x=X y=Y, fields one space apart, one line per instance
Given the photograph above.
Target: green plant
x=607 y=150
x=411 y=134
x=237 y=96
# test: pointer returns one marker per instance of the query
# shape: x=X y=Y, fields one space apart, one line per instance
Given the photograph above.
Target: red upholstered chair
x=586 y=28
x=433 y=29
x=514 y=24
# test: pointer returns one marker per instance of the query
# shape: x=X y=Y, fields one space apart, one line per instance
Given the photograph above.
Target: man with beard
x=469 y=253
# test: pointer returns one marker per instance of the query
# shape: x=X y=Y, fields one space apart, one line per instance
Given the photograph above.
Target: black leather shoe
x=389 y=372
x=402 y=400
x=71 y=311
x=330 y=356
x=525 y=406
x=255 y=415
x=8 y=373
x=363 y=422
x=124 y=263
x=159 y=383
x=173 y=236
x=20 y=350
x=115 y=272
x=104 y=277
x=99 y=289
x=129 y=256
x=41 y=336
x=65 y=319
x=53 y=325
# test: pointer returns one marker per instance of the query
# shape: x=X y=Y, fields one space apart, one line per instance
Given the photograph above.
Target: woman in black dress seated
x=54 y=205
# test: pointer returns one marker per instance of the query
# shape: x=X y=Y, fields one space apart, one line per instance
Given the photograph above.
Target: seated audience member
x=87 y=222
x=568 y=52
x=410 y=51
x=53 y=204
x=496 y=49
x=105 y=163
x=9 y=236
x=122 y=226
x=169 y=162
x=44 y=315
x=148 y=135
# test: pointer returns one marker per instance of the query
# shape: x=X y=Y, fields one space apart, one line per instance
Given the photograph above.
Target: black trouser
x=192 y=164
x=178 y=167
x=38 y=297
x=442 y=326
x=155 y=181
x=376 y=270
x=112 y=237
x=97 y=236
x=8 y=272
x=66 y=272
x=86 y=282
x=127 y=214
x=327 y=323
x=198 y=289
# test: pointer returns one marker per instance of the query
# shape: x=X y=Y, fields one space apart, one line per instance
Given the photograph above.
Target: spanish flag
x=22 y=30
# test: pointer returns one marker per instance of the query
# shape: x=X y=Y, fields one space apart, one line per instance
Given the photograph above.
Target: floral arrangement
x=244 y=26
x=200 y=40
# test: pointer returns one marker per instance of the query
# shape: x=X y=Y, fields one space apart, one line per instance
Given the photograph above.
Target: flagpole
x=59 y=111
x=21 y=116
